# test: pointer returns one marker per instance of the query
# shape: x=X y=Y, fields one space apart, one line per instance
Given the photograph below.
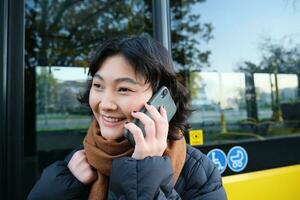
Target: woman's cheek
x=129 y=106
x=92 y=99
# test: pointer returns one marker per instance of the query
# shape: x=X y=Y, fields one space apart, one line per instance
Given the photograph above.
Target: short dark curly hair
x=151 y=60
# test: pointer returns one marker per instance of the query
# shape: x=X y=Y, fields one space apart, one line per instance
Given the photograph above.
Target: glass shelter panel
x=60 y=35
x=241 y=62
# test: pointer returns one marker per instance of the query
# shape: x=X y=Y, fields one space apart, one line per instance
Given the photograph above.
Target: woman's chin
x=111 y=135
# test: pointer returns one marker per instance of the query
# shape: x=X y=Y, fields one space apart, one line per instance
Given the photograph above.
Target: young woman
x=125 y=73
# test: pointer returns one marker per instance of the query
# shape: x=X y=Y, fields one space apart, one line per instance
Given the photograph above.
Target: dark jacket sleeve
x=58 y=183
x=150 y=178
x=201 y=178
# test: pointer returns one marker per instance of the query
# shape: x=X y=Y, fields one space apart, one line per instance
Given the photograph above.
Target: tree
x=293 y=64
x=275 y=59
x=46 y=95
x=64 y=32
x=188 y=33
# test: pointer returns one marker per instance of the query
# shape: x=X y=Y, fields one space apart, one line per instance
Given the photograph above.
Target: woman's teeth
x=112 y=119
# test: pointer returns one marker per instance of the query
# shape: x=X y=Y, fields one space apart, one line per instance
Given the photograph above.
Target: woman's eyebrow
x=119 y=80
x=126 y=79
x=98 y=76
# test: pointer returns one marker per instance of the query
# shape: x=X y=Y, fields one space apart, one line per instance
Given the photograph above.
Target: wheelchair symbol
x=219 y=159
x=237 y=158
x=216 y=161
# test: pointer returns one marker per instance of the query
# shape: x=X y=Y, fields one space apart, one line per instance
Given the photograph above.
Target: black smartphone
x=161 y=98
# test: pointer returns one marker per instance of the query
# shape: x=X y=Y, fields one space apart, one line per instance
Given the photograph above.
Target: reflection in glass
x=63 y=33
x=287 y=84
x=261 y=48
x=56 y=97
x=218 y=104
x=59 y=37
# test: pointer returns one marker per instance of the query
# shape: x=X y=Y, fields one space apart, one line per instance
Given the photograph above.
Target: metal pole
x=161 y=22
x=3 y=98
x=15 y=99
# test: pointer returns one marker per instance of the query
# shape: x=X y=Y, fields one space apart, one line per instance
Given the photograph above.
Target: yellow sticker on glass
x=196 y=137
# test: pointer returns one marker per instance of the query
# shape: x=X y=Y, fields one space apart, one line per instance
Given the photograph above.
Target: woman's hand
x=156 y=128
x=81 y=169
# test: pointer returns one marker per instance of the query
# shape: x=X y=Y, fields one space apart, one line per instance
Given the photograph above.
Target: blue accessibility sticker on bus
x=237 y=158
x=219 y=158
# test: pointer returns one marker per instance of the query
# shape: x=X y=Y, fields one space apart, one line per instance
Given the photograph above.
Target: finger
x=163 y=113
x=81 y=152
x=136 y=132
x=149 y=124
x=161 y=121
x=89 y=175
x=155 y=115
x=78 y=156
x=163 y=129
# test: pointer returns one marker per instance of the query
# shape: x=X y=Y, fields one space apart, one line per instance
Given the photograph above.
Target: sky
x=241 y=26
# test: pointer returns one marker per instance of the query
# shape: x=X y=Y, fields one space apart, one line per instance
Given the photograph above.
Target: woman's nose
x=107 y=104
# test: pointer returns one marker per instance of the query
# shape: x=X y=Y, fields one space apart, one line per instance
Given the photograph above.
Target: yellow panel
x=274 y=184
x=196 y=137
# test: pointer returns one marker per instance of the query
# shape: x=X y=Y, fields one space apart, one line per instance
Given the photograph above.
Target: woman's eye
x=96 y=85
x=124 y=90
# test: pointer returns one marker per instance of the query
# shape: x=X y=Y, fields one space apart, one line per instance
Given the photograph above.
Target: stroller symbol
x=237 y=158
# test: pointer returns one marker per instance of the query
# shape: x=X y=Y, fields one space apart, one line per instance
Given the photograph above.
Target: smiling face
x=117 y=91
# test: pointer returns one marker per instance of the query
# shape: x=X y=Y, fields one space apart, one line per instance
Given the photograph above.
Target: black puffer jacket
x=132 y=179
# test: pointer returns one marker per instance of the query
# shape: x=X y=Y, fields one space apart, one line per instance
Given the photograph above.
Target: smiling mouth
x=112 y=119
